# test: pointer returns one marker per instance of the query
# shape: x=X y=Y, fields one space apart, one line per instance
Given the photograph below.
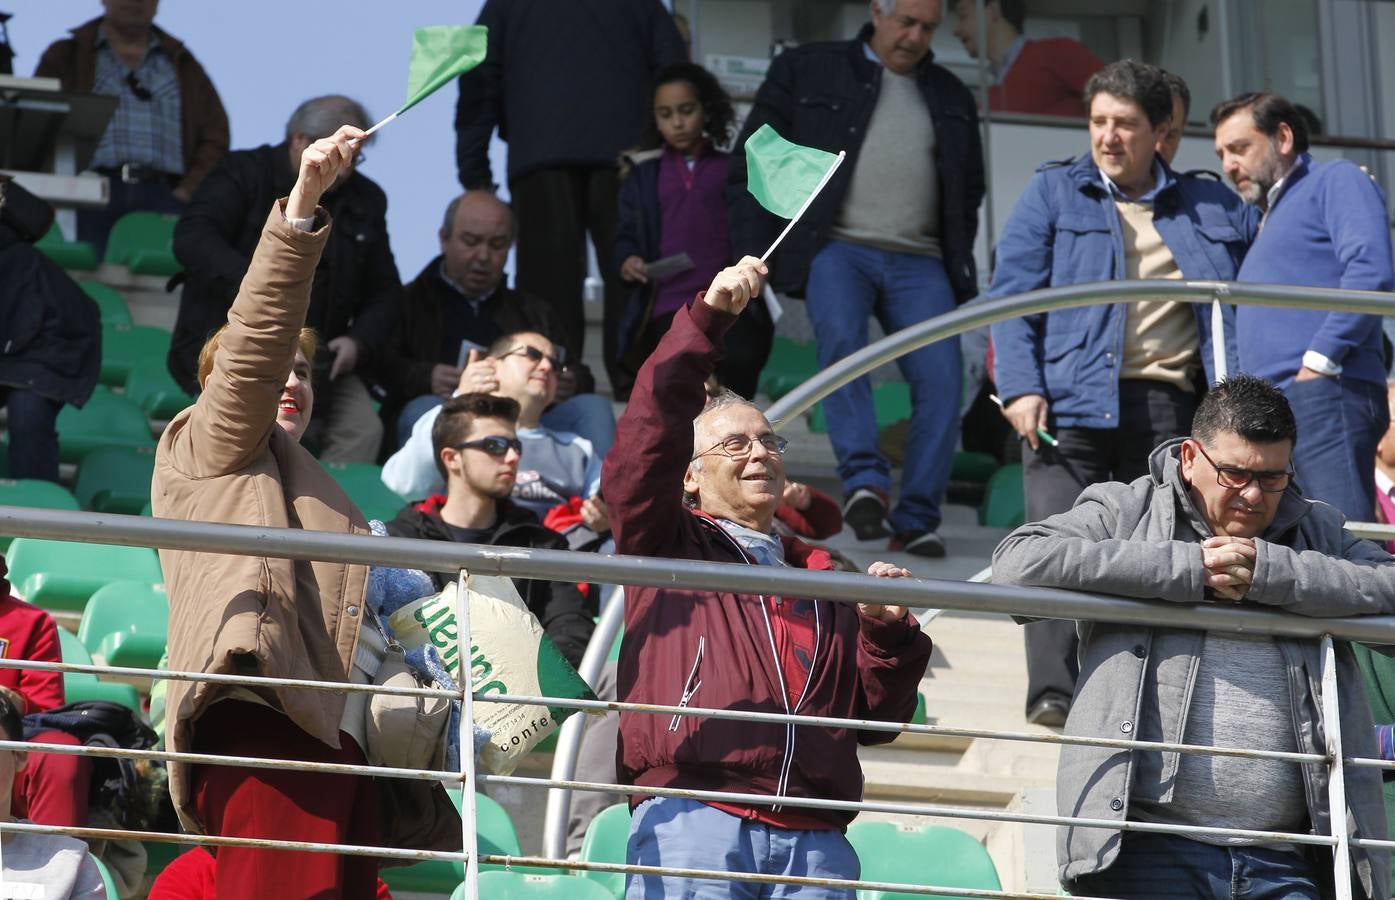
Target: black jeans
x=1150 y=412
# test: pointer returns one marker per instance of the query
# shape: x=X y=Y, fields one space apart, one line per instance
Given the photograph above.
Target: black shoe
x=1049 y=711
x=920 y=543
x=865 y=513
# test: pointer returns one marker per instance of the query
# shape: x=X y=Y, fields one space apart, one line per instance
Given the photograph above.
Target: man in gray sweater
x=1219 y=519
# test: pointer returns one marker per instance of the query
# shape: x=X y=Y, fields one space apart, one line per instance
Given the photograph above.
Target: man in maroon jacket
x=689 y=482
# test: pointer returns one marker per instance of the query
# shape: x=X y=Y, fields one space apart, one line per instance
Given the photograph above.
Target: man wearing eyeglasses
x=477 y=451
x=698 y=480
x=1218 y=519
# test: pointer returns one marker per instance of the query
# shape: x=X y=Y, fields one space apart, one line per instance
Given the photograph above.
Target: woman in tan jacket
x=235 y=457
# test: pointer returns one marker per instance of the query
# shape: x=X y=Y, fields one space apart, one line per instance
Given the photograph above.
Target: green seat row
x=84 y=685
x=62 y=575
x=891 y=400
x=363 y=482
x=34 y=494
x=790 y=364
x=79 y=255
x=126 y=623
x=143 y=242
x=496 y=836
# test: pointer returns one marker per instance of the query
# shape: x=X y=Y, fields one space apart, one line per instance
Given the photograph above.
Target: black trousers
x=555 y=210
x=745 y=349
x=1150 y=412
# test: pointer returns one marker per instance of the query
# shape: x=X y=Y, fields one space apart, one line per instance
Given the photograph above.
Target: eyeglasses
x=1237 y=479
x=535 y=356
x=739 y=445
x=494 y=445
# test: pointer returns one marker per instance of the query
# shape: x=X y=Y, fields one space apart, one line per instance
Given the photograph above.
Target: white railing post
x=468 y=813
x=1336 y=777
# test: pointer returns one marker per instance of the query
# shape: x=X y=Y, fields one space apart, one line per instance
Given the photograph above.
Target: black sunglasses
x=536 y=356
x=494 y=445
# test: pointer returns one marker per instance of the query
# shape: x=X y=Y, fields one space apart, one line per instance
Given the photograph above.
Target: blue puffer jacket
x=1065 y=230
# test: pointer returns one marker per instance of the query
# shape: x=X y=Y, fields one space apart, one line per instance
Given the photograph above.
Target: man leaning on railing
x=1218 y=520
x=691 y=482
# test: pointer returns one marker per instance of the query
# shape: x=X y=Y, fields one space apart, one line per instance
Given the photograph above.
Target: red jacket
x=716 y=649
x=27 y=632
x=1048 y=78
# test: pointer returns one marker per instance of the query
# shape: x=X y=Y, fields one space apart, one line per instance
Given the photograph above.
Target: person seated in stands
x=169 y=129
x=460 y=301
x=356 y=293
x=477 y=453
x=52 y=866
x=694 y=482
x=1045 y=76
x=556 y=467
x=235 y=457
x=50 y=336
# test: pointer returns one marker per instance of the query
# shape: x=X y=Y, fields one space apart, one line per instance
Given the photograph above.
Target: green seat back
x=493 y=830
x=790 y=364
x=107 y=881
x=126 y=624
x=124 y=347
x=891 y=401
x=919 y=716
x=59 y=575
x=152 y=386
x=606 y=839
x=972 y=466
x=115 y=479
x=1004 y=499
x=517 y=885
x=68 y=254
x=35 y=494
x=84 y=685
x=363 y=482
x=144 y=243
x=920 y=855
x=109 y=302
x=106 y=420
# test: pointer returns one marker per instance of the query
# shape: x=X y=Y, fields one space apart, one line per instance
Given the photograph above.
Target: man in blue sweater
x=1324 y=225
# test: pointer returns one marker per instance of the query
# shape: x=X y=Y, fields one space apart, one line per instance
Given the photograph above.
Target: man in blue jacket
x=1324 y=225
x=1108 y=382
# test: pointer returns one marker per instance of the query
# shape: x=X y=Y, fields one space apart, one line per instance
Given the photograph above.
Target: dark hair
x=458 y=415
x=1246 y=406
x=1014 y=12
x=1269 y=111
x=716 y=103
x=10 y=721
x=1178 y=86
x=1140 y=82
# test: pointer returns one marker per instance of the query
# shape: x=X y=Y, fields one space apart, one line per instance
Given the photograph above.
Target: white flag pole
x=1218 y=362
x=810 y=199
x=369 y=132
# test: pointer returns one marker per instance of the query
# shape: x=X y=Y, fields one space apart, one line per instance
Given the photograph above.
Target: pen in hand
x=1041 y=432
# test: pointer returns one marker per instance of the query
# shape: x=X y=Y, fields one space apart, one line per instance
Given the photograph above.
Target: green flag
x=441 y=53
x=782 y=175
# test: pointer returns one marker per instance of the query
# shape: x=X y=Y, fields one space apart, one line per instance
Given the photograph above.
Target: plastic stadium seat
x=68 y=254
x=919 y=716
x=34 y=494
x=363 y=482
x=126 y=624
x=125 y=347
x=115 y=479
x=972 y=466
x=790 y=365
x=84 y=685
x=151 y=385
x=144 y=243
x=928 y=855
x=106 y=420
x=493 y=829
x=61 y=575
x=110 y=302
x=520 y=886
x=1004 y=499
x=107 y=881
x=891 y=401
x=605 y=841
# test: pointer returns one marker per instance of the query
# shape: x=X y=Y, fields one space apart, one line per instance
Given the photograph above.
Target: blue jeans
x=589 y=415
x=849 y=283
x=1340 y=421
x=1163 y=866
x=33 y=433
x=667 y=831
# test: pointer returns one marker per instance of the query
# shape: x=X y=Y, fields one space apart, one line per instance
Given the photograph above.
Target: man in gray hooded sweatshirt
x=1219 y=519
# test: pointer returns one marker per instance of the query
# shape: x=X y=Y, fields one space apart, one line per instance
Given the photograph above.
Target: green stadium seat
x=790 y=365
x=106 y=420
x=151 y=385
x=972 y=466
x=126 y=624
x=84 y=685
x=891 y=401
x=78 y=255
x=1004 y=499
x=515 y=885
x=112 y=305
x=126 y=347
x=925 y=855
x=108 y=883
x=496 y=835
x=605 y=841
x=363 y=482
x=144 y=243
x=115 y=479
x=34 y=494
x=62 y=575
x=919 y=716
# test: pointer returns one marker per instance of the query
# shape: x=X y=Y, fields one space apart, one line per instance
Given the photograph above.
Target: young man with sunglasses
x=697 y=480
x=1218 y=519
x=477 y=451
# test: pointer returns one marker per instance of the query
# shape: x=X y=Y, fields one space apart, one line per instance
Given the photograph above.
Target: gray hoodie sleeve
x=1091 y=548
x=1312 y=583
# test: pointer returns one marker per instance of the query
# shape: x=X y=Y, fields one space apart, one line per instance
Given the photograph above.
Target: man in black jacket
x=892 y=235
x=356 y=293
x=477 y=451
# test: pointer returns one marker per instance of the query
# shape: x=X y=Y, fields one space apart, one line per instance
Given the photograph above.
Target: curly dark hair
x=716 y=104
x=1246 y=406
